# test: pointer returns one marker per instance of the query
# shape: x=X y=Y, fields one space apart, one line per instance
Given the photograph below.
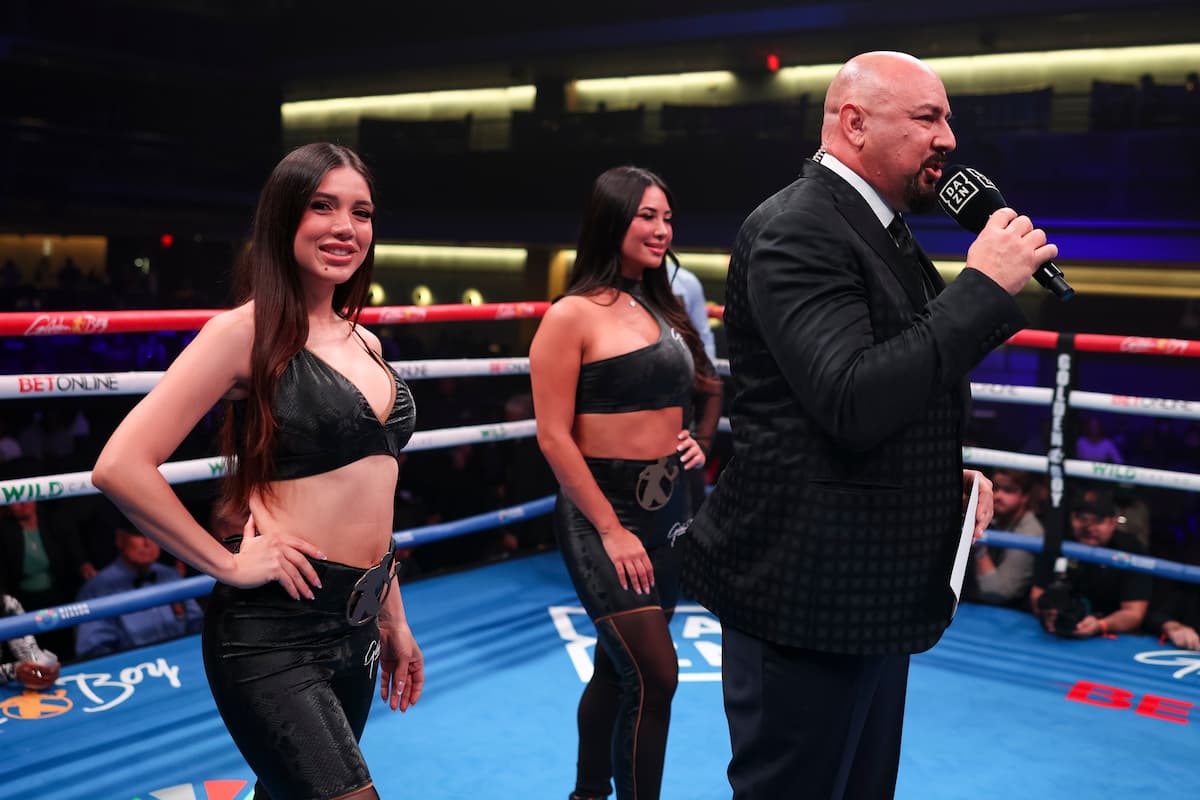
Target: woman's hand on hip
x=690 y=451
x=267 y=556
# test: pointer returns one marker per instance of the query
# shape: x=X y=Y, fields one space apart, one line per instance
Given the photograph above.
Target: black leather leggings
x=293 y=681
x=625 y=709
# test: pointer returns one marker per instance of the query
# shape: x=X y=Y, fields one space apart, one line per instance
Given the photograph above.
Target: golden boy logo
x=37 y=705
x=656 y=484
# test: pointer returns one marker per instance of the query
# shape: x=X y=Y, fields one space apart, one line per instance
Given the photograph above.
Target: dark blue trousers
x=806 y=724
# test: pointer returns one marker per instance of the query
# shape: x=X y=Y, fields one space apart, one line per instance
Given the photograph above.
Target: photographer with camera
x=1087 y=599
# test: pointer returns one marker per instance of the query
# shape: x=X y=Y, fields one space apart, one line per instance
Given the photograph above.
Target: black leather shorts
x=294 y=680
x=650 y=499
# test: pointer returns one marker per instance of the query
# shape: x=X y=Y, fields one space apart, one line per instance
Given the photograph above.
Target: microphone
x=969 y=198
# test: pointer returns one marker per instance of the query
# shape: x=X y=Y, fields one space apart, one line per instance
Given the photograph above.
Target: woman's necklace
x=632 y=288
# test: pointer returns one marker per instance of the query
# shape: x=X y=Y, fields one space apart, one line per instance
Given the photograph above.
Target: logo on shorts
x=372 y=657
x=677 y=530
x=656 y=484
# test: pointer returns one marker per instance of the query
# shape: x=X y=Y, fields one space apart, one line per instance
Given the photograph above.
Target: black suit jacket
x=834 y=525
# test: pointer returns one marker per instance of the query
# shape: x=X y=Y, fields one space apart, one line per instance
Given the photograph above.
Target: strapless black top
x=659 y=375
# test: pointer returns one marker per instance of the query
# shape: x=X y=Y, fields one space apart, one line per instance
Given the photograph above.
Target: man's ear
x=853 y=124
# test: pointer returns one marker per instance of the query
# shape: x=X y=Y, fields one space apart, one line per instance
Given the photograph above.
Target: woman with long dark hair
x=614 y=365
x=302 y=615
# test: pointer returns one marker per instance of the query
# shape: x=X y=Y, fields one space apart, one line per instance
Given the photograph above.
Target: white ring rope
x=99 y=384
x=73 y=484
x=135 y=383
x=95 y=384
x=1093 y=401
x=132 y=383
x=1090 y=470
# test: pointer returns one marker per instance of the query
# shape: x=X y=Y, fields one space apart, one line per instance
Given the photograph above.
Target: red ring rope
x=30 y=323
x=37 y=323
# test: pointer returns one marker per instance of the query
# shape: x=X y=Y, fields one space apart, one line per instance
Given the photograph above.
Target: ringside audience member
x=687 y=287
x=1174 y=614
x=1002 y=576
x=41 y=554
x=1114 y=600
x=21 y=659
x=135 y=566
x=42 y=560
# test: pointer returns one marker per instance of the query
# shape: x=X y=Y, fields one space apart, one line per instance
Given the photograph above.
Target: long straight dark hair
x=269 y=275
x=614 y=201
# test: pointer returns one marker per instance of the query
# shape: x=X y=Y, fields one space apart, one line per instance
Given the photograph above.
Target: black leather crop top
x=324 y=422
x=659 y=375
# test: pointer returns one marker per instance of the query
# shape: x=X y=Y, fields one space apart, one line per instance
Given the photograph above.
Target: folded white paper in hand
x=963 y=556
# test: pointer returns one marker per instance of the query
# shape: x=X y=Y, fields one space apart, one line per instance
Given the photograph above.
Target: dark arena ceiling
x=116 y=108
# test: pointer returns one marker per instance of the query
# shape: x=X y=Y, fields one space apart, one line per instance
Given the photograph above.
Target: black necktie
x=141 y=580
x=908 y=249
x=903 y=238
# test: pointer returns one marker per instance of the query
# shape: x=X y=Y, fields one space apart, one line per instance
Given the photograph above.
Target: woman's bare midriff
x=347 y=512
x=634 y=434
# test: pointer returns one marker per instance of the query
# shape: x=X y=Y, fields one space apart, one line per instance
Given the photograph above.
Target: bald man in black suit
x=826 y=548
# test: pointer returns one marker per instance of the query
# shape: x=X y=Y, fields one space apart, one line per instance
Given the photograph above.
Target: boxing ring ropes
x=1061 y=399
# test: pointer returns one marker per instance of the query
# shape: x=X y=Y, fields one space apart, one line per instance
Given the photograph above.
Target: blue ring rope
x=63 y=616
x=1159 y=567
x=114 y=605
